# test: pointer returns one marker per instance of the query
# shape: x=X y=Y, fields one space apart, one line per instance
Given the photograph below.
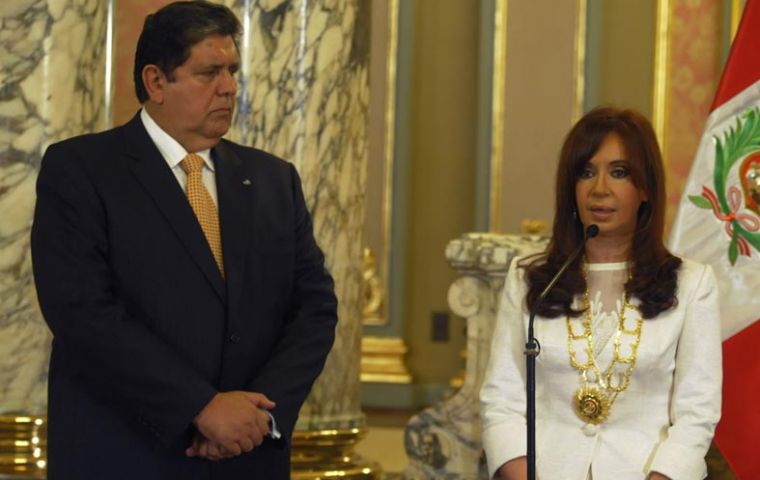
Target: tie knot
x=191 y=163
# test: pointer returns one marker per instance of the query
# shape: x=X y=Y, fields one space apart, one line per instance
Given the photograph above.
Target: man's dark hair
x=169 y=34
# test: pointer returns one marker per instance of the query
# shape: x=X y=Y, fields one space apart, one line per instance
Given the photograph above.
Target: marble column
x=304 y=96
x=52 y=64
x=443 y=441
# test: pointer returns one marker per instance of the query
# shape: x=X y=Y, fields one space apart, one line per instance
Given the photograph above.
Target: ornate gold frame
x=382 y=359
x=737 y=7
x=497 y=113
x=498 y=89
x=390 y=125
x=660 y=109
x=378 y=315
x=580 y=60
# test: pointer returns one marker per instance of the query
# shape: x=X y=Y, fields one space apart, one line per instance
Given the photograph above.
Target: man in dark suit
x=189 y=303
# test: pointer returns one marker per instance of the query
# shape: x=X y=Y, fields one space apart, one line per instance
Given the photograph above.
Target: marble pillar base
x=444 y=441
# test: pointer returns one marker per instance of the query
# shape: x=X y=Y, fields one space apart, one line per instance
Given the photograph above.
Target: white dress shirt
x=665 y=419
x=173 y=153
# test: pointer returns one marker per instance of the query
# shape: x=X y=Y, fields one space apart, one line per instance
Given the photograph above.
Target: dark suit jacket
x=145 y=328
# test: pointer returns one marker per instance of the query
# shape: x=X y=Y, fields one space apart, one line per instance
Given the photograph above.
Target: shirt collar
x=600 y=267
x=170 y=149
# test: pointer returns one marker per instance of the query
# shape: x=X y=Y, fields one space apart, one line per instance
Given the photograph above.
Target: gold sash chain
x=594 y=399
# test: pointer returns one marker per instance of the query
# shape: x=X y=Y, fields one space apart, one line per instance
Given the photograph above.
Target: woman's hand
x=515 y=469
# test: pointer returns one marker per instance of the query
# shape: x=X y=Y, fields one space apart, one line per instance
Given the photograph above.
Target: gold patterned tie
x=203 y=206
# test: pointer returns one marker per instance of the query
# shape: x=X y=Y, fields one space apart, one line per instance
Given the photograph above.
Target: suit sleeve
x=309 y=330
x=502 y=397
x=696 y=397
x=111 y=355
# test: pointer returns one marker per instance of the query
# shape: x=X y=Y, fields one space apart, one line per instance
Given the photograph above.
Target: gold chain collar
x=593 y=400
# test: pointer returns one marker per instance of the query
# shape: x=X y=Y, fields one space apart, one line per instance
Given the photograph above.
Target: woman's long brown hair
x=654 y=278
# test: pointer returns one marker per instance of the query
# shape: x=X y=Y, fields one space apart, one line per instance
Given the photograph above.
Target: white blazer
x=664 y=421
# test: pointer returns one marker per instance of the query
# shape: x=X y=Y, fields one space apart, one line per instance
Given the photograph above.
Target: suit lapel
x=157 y=178
x=233 y=189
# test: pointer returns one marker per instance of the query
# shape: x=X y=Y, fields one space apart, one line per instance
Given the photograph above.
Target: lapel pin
x=247 y=182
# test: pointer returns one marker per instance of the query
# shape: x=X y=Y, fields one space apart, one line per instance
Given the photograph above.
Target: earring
x=575 y=214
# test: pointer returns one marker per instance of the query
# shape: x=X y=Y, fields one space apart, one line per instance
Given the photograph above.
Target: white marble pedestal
x=443 y=441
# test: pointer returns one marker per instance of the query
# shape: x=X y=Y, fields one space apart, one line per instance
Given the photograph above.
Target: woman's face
x=604 y=192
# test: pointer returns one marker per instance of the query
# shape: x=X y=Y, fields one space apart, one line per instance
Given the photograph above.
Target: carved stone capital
x=465 y=296
x=490 y=253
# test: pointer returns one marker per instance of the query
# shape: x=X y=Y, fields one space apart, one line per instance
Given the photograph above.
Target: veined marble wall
x=52 y=65
x=304 y=96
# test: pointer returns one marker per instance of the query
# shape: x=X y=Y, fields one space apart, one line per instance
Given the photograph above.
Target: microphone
x=533 y=348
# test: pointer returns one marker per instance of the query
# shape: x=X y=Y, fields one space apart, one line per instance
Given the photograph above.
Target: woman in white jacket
x=629 y=375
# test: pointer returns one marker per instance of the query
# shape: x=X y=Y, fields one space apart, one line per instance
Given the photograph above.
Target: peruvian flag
x=718 y=222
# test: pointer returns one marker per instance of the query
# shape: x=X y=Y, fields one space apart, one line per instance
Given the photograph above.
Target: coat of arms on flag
x=734 y=198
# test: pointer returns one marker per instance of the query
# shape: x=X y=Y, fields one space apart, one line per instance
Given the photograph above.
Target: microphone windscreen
x=592 y=231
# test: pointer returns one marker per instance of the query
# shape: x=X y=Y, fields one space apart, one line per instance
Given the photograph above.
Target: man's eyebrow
x=219 y=66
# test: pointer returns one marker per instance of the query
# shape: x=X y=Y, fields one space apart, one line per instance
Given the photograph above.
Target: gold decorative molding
x=661 y=71
x=23 y=446
x=373 y=292
x=580 y=60
x=532 y=226
x=322 y=454
x=377 y=259
x=315 y=454
x=498 y=88
x=737 y=7
x=391 y=62
x=383 y=361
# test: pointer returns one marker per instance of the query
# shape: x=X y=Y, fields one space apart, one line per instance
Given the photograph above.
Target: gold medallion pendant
x=592 y=404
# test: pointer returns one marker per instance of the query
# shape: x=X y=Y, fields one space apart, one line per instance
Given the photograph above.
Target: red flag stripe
x=738 y=432
x=743 y=66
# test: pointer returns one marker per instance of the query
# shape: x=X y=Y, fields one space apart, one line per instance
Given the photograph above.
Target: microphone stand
x=533 y=348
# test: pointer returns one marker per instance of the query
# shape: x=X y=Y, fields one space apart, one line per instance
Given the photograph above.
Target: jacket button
x=590 y=430
x=234 y=337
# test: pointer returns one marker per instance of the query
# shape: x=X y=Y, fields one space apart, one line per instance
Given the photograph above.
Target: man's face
x=198 y=103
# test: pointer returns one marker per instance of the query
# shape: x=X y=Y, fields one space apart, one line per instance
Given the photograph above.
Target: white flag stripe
x=699 y=235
